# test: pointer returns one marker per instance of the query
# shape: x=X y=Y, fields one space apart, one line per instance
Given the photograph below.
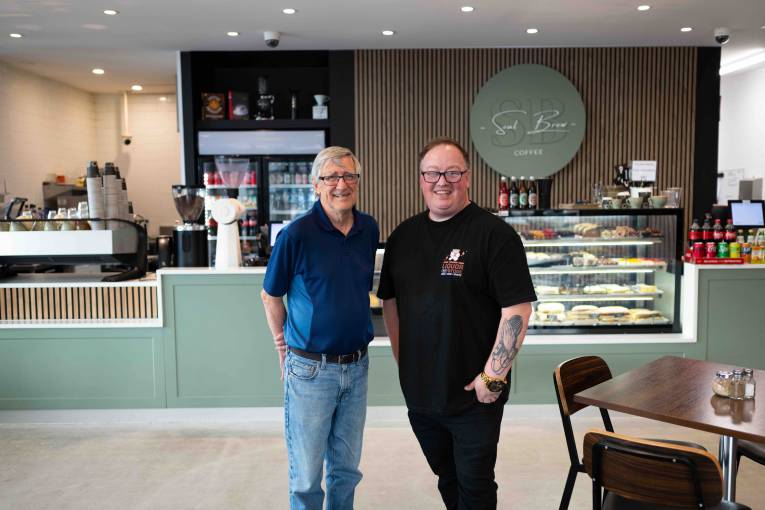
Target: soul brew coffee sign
x=527 y=120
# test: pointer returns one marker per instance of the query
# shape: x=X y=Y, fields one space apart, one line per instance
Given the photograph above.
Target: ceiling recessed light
x=643 y=7
x=467 y=8
x=289 y=10
x=98 y=70
x=388 y=32
x=686 y=29
x=111 y=12
x=163 y=98
x=232 y=34
x=16 y=36
x=136 y=88
x=532 y=30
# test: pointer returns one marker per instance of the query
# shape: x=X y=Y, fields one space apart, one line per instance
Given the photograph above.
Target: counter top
x=59 y=280
x=183 y=271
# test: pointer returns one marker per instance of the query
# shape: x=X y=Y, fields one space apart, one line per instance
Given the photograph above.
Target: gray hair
x=333 y=154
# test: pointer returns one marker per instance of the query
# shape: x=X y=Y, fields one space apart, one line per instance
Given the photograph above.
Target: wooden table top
x=679 y=391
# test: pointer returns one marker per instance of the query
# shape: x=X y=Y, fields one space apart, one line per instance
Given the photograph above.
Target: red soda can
x=698 y=250
x=711 y=249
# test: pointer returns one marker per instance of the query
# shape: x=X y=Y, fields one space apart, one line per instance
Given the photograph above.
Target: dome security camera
x=127 y=140
x=722 y=35
x=272 y=39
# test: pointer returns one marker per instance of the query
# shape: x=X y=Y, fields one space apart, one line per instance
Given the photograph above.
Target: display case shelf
x=287 y=211
x=291 y=186
x=239 y=125
x=625 y=296
x=586 y=241
x=561 y=270
x=222 y=186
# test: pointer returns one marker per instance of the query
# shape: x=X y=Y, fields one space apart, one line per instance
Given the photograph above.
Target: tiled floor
x=239 y=461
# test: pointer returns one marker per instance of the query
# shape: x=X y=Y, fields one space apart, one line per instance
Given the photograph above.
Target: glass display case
x=597 y=270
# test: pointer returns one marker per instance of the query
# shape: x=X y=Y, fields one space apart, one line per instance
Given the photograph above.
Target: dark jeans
x=461 y=450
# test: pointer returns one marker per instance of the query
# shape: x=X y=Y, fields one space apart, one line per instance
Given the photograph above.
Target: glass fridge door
x=290 y=192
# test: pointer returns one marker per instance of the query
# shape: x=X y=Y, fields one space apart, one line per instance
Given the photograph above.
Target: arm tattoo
x=507 y=347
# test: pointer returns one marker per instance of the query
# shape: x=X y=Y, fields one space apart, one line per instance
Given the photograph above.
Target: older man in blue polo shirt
x=324 y=263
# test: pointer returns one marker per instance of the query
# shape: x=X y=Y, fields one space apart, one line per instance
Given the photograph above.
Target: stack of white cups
x=112 y=195
x=95 y=196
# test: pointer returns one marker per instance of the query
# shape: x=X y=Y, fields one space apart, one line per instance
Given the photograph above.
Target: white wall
x=151 y=163
x=742 y=122
x=49 y=127
x=45 y=127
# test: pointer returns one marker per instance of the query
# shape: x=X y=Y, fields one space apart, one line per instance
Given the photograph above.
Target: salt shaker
x=750 y=384
x=737 y=387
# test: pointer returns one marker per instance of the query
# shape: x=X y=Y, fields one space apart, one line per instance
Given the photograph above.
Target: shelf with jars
x=601 y=271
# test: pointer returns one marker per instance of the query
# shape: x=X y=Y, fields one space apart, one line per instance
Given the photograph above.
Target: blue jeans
x=325 y=406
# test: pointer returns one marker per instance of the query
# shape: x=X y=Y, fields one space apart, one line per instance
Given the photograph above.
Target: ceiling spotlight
x=467 y=8
x=643 y=7
x=289 y=10
x=388 y=32
x=16 y=36
x=136 y=88
x=532 y=30
x=686 y=29
x=98 y=70
x=232 y=34
x=163 y=99
x=111 y=12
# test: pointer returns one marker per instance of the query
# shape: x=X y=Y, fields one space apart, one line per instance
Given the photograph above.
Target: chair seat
x=754 y=451
x=615 y=502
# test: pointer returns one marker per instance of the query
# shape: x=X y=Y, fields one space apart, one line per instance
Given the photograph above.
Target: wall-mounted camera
x=127 y=140
x=272 y=39
x=722 y=35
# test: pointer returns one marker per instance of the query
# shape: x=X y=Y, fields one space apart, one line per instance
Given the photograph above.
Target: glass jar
x=750 y=384
x=737 y=385
x=722 y=382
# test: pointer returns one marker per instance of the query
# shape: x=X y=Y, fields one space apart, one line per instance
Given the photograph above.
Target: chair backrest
x=577 y=375
x=652 y=472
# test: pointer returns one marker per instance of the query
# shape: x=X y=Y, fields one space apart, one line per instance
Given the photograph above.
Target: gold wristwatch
x=493 y=384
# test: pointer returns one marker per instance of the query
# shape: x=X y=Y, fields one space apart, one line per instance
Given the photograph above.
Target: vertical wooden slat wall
x=77 y=303
x=639 y=103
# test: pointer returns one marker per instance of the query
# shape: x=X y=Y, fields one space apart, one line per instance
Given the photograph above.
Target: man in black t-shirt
x=456 y=294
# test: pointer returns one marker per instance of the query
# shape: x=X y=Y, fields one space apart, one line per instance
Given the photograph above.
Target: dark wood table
x=679 y=391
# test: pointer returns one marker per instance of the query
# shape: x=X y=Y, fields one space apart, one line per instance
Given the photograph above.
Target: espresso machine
x=190 y=238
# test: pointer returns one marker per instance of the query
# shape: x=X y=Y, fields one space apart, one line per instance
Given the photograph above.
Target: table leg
x=728 y=462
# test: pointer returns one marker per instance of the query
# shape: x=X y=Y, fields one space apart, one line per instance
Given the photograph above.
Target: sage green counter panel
x=732 y=316
x=384 y=388
x=219 y=349
x=81 y=368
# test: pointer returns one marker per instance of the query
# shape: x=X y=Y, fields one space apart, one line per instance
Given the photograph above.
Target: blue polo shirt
x=327 y=277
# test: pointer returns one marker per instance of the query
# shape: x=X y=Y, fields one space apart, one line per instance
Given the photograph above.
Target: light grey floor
x=236 y=459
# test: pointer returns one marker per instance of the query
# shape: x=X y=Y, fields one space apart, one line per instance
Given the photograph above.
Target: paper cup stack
x=112 y=195
x=95 y=196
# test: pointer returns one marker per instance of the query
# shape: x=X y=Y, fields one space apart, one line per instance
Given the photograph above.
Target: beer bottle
x=503 y=199
x=513 y=193
x=523 y=194
x=533 y=202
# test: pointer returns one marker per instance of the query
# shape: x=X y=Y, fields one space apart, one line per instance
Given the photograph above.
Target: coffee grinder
x=190 y=238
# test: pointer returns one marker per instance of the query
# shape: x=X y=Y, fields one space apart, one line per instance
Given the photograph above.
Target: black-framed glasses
x=332 y=180
x=452 y=175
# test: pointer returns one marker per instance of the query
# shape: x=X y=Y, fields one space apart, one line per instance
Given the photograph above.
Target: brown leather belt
x=340 y=359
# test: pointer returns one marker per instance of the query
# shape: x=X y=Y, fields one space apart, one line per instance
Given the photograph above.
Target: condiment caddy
x=738 y=384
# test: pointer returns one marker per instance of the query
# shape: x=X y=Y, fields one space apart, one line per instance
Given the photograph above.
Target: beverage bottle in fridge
x=694 y=233
x=523 y=194
x=730 y=231
x=706 y=229
x=212 y=227
x=503 y=198
x=532 y=193
x=718 y=234
x=513 y=193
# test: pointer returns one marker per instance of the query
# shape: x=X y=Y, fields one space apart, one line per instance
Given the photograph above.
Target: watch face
x=495 y=386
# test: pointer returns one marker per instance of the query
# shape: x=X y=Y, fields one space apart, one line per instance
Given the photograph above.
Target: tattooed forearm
x=507 y=346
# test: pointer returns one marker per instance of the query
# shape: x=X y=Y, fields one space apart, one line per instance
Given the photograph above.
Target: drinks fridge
x=275 y=189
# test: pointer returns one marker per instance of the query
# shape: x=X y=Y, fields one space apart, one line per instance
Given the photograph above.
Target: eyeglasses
x=452 y=175
x=332 y=180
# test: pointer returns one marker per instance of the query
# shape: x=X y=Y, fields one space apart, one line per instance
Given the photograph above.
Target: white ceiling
x=65 y=39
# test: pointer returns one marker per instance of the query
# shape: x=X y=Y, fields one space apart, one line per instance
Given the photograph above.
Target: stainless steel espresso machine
x=190 y=238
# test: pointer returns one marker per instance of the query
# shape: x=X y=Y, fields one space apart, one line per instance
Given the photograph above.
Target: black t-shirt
x=450 y=280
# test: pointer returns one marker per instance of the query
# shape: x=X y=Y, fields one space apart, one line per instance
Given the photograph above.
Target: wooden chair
x=571 y=377
x=641 y=474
